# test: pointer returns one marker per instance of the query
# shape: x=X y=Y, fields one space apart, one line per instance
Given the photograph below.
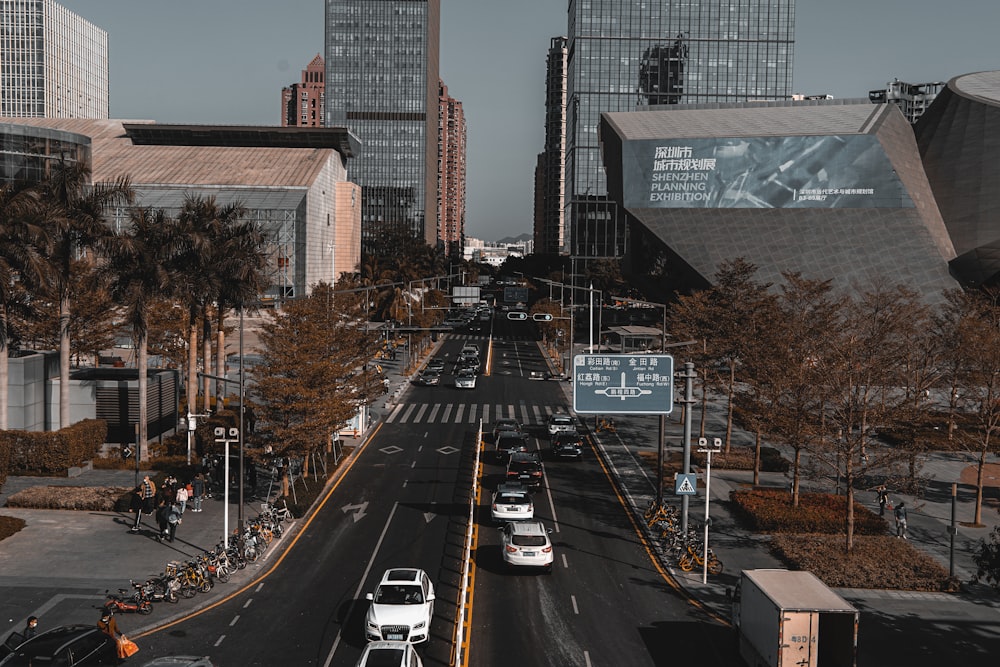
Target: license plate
x=527 y=553
x=394 y=637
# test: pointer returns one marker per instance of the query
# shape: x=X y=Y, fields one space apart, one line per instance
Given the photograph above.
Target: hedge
x=50 y=452
x=771 y=511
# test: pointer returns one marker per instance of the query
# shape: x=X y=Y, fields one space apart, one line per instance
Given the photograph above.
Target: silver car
x=511 y=502
x=527 y=544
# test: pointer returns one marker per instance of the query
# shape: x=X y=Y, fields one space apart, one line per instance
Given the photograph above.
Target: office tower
x=302 y=103
x=629 y=54
x=451 y=173
x=382 y=84
x=53 y=63
x=911 y=98
x=550 y=233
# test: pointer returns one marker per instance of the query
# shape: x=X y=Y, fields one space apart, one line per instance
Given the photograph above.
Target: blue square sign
x=623 y=384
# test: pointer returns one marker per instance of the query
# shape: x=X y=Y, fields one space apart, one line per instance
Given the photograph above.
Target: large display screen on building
x=824 y=171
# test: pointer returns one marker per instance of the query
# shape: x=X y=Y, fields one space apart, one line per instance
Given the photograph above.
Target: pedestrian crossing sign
x=686 y=484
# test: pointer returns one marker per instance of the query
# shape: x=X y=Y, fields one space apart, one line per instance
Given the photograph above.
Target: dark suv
x=526 y=468
x=567 y=444
x=508 y=442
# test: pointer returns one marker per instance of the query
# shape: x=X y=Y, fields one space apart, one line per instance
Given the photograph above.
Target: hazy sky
x=225 y=62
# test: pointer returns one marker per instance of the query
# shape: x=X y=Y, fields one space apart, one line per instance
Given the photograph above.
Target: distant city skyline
x=226 y=61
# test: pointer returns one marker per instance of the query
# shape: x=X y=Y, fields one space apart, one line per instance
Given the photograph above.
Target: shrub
x=771 y=511
x=10 y=525
x=53 y=452
x=87 y=498
x=741 y=458
x=874 y=562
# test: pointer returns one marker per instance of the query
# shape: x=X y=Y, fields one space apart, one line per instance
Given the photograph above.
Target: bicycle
x=693 y=557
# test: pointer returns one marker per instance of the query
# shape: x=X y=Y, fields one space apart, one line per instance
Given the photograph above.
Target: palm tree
x=23 y=244
x=241 y=265
x=200 y=230
x=138 y=273
x=74 y=215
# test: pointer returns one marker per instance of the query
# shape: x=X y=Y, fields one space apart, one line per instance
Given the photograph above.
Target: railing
x=460 y=647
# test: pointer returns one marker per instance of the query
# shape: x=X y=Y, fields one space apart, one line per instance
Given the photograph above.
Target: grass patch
x=84 y=498
x=771 y=511
x=876 y=562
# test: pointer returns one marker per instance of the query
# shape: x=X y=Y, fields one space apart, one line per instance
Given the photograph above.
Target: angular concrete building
x=832 y=189
x=959 y=142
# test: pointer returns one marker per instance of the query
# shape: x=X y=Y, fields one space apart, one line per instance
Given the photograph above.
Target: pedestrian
x=883 y=498
x=170 y=489
x=252 y=477
x=173 y=520
x=162 y=520
x=197 y=491
x=108 y=625
x=182 y=497
x=900 y=514
x=147 y=495
x=31 y=627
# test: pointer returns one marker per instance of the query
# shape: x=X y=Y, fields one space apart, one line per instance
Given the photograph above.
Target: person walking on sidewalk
x=883 y=498
x=182 y=497
x=173 y=513
x=31 y=627
x=900 y=514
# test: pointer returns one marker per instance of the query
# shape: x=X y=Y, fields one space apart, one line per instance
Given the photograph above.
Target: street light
x=225 y=438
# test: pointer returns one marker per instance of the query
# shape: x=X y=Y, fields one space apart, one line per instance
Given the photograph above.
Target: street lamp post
x=226 y=438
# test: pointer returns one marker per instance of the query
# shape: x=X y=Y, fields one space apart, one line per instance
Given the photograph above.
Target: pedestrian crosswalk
x=465 y=413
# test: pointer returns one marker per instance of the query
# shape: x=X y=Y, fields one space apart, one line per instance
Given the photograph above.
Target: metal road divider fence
x=460 y=649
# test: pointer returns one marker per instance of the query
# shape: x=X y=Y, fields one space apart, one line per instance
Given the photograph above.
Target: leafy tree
x=987 y=559
x=316 y=375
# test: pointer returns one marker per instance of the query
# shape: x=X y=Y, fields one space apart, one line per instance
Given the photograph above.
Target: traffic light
x=541 y=317
x=517 y=315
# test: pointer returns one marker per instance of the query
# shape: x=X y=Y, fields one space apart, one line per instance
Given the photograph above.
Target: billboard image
x=816 y=171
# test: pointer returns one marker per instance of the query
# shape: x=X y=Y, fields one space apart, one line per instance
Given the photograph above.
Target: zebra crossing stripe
x=420 y=413
x=447 y=411
x=472 y=413
x=392 y=417
x=458 y=413
x=433 y=413
x=486 y=414
x=406 y=415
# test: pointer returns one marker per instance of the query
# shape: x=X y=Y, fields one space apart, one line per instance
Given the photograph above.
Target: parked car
x=560 y=421
x=402 y=607
x=506 y=424
x=526 y=468
x=511 y=502
x=567 y=444
x=526 y=544
x=389 y=654
x=510 y=441
x=67 y=646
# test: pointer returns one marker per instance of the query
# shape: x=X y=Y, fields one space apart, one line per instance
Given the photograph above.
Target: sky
x=224 y=62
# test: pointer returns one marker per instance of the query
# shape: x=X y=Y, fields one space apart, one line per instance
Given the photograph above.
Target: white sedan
x=389 y=654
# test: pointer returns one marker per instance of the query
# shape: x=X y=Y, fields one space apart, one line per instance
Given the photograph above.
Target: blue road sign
x=623 y=383
x=686 y=484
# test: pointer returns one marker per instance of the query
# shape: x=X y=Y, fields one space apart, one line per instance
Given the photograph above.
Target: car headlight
x=372 y=624
x=420 y=625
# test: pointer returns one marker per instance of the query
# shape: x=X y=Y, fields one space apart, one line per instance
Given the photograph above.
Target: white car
x=465 y=380
x=401 y=607
x=511 y=502
x=560 y=422
x=526 y=544
x=389 y=654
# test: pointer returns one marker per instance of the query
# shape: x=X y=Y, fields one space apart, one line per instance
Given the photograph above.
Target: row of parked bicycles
x=686 y=549
x=199 y=575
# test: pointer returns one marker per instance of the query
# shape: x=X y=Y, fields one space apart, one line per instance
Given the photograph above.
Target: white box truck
x=786 y=618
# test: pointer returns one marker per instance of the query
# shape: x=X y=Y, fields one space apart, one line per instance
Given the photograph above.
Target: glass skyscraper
x=382 y=84
x=53 y=63
x=629 y=54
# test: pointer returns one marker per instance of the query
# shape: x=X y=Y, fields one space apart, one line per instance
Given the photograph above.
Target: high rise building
x=451 y=173
x=302 y=103
x=911 y=98
x=550 y=232
x=626 y=55
x=382 y=84
x=53 y=63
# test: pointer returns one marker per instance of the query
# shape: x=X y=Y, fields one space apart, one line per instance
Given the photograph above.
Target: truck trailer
x=786 y=618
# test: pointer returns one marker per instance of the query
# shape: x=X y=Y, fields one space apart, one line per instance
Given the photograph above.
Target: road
x=403 y=504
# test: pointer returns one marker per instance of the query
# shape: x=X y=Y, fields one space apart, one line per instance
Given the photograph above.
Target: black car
x=568 y=444
x=508 y=442
x=428 y=378
x=67 y=646
x=526 y=468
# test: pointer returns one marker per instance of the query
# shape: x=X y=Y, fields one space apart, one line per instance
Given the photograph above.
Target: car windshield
x=512 y=499
x=384 y=657
x=528 y=540
x=399 y=594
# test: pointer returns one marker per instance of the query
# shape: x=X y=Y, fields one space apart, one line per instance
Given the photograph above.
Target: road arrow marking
x=429 y=516
x=359 y=510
